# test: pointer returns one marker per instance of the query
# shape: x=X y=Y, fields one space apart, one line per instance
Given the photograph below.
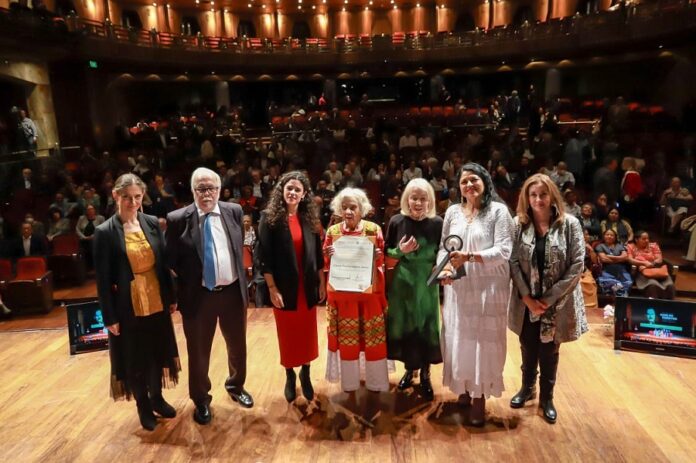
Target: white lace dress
x=474 y=312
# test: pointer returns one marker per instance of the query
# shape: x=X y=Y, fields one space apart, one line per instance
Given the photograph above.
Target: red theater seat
x=32 y=289
x=66 y=261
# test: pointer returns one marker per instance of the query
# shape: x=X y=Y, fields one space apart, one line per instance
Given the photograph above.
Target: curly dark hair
x=277 y=212
x=489 y=193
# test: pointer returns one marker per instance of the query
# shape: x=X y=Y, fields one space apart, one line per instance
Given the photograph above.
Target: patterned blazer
x=563 y=269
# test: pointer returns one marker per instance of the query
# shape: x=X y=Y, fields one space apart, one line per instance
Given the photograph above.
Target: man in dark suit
x=204 y=249
x=30 y=244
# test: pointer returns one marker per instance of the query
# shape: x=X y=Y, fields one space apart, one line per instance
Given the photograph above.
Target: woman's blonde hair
x=423 y=185
x=523 y=213
x=353 y=193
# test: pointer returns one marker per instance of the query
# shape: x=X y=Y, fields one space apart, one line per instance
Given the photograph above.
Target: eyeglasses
x=203 y=190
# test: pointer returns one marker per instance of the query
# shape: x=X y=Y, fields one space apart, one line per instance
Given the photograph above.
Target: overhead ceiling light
x=417 y=5
x=314 y=7
x=343 y=9
x=395 y=7
x=249 y=5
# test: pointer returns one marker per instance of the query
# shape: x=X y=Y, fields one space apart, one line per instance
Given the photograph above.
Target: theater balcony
x=521 y=42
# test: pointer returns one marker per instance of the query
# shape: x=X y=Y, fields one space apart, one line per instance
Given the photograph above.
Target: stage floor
x=613 y=406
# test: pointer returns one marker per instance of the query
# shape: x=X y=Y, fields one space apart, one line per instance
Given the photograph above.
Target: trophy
x=451 y=243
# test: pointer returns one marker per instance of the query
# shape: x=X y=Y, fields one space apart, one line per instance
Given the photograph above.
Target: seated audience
x=592 y=268
x=615 y=279
x=589 y=222
x=562 y=177
x=57 y=224
x=623 y=229
x=249 y=233
x=652 y=277
x=29 y=244
x=571 y=203
x=85 y=227
x=677 y=201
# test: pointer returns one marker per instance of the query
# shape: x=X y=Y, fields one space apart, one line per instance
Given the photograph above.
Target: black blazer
x=276 y=255
x=114 y=274
x=37 y=246
x=185 y=253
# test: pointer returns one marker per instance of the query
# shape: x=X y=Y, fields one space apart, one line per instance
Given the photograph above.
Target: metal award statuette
x=451 y=243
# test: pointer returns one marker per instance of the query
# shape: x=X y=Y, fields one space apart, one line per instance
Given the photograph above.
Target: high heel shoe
x=306 y=383
x=290 y=391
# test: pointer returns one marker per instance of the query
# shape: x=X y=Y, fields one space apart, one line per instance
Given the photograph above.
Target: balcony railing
x=605 y=25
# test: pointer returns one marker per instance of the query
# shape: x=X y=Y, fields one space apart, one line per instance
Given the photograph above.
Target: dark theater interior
x=362 y=104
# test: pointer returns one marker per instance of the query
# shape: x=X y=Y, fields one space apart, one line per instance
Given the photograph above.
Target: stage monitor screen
x=86 y=327
x=655 y=325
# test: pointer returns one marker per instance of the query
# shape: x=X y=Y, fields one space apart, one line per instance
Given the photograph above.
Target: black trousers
x=534 y=353
x=228 y=308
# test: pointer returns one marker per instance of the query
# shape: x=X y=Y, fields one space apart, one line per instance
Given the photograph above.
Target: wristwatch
x=472 y=258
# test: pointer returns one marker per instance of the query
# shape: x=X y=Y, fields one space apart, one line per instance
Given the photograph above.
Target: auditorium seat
x=66 y=261
x=31 y=290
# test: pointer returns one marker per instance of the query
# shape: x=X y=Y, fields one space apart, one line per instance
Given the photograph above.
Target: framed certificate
x=352 y=264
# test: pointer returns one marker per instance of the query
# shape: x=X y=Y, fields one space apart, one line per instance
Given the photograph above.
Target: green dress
x=413 y=315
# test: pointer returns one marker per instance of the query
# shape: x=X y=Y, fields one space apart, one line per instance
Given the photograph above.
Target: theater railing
x=606 y=26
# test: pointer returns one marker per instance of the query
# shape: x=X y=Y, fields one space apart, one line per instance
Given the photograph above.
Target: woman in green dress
x=413 y=316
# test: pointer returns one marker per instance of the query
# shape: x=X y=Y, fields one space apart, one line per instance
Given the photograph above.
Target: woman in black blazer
x=136 y=296
x=289 y=251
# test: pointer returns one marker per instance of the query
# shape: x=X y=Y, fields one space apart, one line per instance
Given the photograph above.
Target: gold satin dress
x=145 y=288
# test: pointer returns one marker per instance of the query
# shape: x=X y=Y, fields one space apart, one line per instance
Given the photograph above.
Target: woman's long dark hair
x=277 y=211
x=489 y=193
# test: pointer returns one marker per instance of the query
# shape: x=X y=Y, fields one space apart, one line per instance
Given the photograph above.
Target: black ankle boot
x=406 y=380
x=147 y=418
x=306 y=383
x=549 y=410
x=161 y=407
x=477 y=415
x=525 y=394
x=290 y=378
x=426 y=385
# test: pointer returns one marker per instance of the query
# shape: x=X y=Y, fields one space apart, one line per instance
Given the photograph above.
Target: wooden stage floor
x=613 y=406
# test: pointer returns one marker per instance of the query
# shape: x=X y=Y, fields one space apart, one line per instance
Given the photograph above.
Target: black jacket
x=114 y=274
x=185 y=253
x=276 y=255
x=37 y=246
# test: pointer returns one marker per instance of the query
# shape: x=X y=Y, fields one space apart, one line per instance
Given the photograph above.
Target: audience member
x=677 y=201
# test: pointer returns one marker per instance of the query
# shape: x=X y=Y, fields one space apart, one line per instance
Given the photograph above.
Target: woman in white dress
x=474 y=312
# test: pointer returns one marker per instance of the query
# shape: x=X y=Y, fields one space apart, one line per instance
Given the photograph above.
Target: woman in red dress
x=291 y=262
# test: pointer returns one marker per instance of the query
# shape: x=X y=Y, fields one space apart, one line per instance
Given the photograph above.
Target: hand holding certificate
x=352 y=264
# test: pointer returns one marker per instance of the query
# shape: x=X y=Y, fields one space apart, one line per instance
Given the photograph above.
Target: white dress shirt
x=26 y=242
x=225 y=271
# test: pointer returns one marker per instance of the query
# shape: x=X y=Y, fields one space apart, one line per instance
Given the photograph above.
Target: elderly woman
x=621 y=227
x=474 y=311
x=356 y=328
x=546 y=307
x=413 y=318
x=652 y=278
x=615 y=278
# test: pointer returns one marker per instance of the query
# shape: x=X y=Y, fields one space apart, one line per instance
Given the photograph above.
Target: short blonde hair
x=423 y=185
x=523 y=201
x=351 y=193
x=204 y=172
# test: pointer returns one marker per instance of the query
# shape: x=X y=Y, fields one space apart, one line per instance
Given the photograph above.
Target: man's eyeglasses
x=203 y=190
